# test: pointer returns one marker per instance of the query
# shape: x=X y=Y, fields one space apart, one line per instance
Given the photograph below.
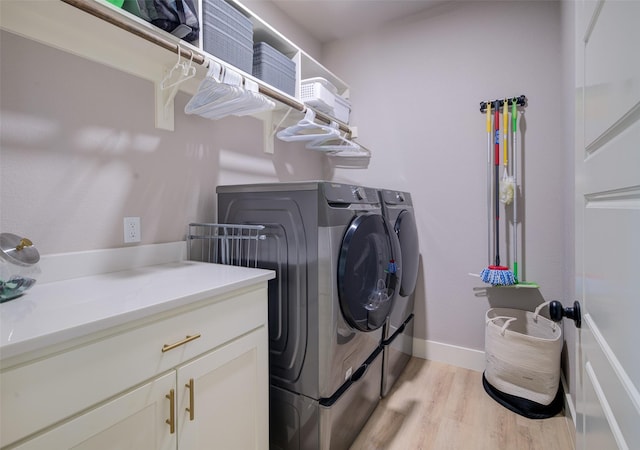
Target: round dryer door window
x=366 y=273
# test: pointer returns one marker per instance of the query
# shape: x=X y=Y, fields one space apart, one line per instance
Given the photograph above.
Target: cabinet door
x=223 y=397
x=135 y=420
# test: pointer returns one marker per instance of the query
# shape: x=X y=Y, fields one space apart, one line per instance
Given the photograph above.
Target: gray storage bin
x=274 y=68
x=227 y=34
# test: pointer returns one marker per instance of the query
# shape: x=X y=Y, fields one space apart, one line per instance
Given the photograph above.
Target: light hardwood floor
x=442 y=407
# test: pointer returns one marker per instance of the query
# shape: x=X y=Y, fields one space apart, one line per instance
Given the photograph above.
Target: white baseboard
x=63 y=266
x=451 y=354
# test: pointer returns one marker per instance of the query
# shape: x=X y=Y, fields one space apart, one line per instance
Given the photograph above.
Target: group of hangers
x=224 y=92
x=221 y=93
x=326 y=138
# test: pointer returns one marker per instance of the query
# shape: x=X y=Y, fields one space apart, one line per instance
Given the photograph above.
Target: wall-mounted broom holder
x=557 y=312
x=520 y=101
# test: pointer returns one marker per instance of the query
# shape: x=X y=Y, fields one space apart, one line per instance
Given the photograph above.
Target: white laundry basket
x=522 y=351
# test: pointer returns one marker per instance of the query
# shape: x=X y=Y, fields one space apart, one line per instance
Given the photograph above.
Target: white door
x=608 y=223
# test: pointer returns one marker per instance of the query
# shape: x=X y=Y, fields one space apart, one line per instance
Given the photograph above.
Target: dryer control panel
x=395 y=197
x=348 y=193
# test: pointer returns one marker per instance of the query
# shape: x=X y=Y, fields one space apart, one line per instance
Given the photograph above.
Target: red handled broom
x=496 y=274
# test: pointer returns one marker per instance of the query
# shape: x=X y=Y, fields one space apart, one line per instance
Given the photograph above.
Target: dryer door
x=367 y=273
x=405 y=228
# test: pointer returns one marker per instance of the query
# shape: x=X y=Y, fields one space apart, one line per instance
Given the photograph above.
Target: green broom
x=514 y=148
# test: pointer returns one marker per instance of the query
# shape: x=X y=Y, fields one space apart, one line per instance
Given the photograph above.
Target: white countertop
x=55 y=312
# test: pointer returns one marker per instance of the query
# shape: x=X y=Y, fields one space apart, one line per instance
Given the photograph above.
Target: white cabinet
x=193 y=377
x=134 y=420
x=220 y=397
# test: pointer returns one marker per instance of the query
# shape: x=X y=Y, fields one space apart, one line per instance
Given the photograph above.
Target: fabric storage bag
x=178 y=17
x=522 y=351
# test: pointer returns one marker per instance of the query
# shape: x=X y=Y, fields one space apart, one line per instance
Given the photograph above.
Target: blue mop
x=496 y=274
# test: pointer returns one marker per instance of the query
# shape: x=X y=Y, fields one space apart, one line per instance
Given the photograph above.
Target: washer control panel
x=359 y=193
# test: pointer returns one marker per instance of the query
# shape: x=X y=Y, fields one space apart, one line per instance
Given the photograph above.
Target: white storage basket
x=318 y=93
x=522 y=351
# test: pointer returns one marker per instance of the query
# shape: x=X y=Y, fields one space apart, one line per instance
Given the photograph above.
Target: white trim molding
x=451 y=354
x=64 y=266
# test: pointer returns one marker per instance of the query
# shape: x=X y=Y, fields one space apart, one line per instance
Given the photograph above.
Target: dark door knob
x=557 y=312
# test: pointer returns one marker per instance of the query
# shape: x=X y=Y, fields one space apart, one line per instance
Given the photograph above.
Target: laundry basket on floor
x=522 y=350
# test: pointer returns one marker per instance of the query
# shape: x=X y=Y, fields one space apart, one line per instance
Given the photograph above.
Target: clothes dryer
x=398 y=331
x=333 y=252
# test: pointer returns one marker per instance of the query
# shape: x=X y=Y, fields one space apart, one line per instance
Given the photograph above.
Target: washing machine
x=397 y=340
x=334 y=255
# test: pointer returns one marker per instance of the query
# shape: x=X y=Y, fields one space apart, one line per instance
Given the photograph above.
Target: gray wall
x=416 y=86
x=79 y=152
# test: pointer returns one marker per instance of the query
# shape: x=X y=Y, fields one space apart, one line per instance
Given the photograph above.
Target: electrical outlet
x=131 y=229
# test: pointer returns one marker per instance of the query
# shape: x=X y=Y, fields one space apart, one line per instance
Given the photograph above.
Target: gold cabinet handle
x=167 y=347
x=191 y=410
x=171 y=421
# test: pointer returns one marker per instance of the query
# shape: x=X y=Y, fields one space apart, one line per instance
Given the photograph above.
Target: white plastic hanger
x=350 y=159
x=256 y=102
x=230 y=86
x=211 y=90
x=336 y=143
x=249 y=101
x=224 y=92
x=308 y=130
x=179 y=73
x=360 y=152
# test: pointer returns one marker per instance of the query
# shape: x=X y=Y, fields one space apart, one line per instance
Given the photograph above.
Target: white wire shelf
x=230 y=244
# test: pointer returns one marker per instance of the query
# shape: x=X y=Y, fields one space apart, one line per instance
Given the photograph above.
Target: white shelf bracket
x=164 y=105
x=167 y=88
x=269 y=129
